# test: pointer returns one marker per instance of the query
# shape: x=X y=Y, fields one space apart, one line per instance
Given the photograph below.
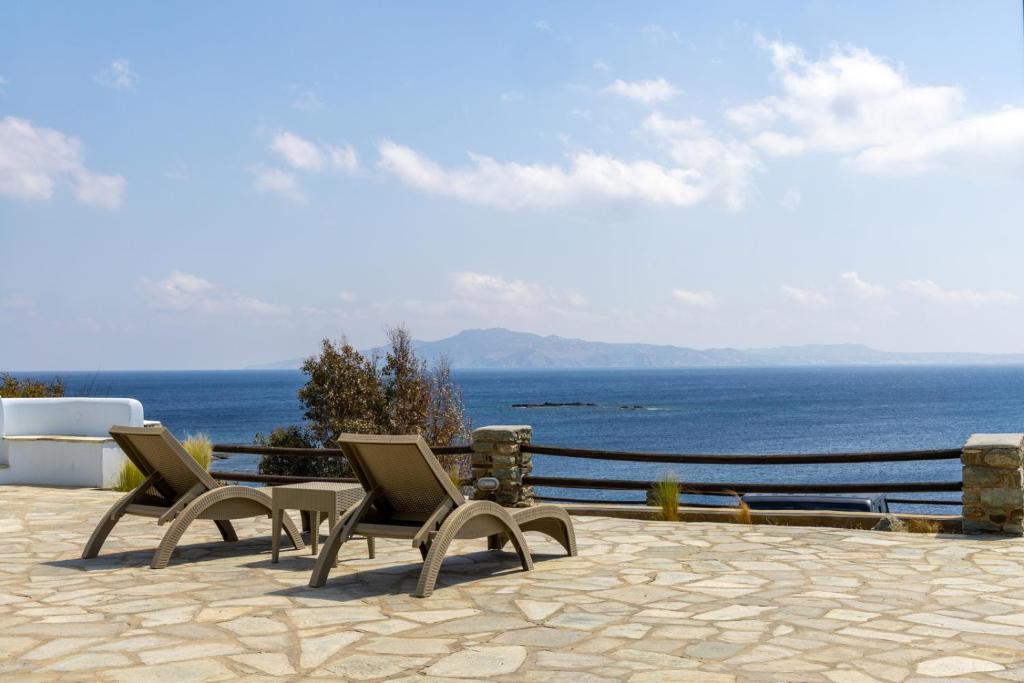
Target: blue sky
x=196 y=185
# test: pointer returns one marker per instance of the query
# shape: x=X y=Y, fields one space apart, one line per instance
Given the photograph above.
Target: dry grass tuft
x=665 y=494
x=129 y=478
x=743 y=515
x=199 y=447
x=917 y=525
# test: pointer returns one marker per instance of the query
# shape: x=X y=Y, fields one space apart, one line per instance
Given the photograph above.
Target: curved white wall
x=63 y=441
x=67 y=416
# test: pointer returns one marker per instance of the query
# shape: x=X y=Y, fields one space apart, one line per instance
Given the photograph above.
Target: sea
x=705 y=410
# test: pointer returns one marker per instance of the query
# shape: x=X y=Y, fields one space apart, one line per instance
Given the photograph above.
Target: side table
x=314 y=497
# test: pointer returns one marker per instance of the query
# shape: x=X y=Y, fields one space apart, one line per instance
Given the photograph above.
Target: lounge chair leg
x=519 y=543
x=227 y=531
x=99 y=535
x=557 y=526
x=169 y=542
x=450 y=529
x=329 y=553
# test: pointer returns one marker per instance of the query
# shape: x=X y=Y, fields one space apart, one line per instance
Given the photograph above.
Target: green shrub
x=198 y=446
x=290 y=465
x=665 y=494
x=12 y=387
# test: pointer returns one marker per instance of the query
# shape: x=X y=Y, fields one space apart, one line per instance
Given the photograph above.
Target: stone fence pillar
x=497 y=453
x=993 y=496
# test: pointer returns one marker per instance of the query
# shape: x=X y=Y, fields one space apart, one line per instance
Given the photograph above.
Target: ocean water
x=715 y=410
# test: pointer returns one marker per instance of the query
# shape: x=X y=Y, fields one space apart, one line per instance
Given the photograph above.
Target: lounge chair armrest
x=117 y=511
x=432 y=523
x=173 y=511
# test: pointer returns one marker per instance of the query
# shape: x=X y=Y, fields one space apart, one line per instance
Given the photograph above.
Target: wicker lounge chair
x=410 y=497
x=177 y=490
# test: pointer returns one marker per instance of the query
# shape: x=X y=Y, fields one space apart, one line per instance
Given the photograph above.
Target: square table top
x=317 y=495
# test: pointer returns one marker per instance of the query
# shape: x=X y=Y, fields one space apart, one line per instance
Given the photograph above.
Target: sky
x=216 y=185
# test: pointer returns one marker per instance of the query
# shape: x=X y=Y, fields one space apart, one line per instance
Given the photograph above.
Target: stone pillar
x=993 y=495
x=497 y=453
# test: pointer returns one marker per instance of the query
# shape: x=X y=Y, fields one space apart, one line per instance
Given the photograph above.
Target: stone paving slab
x=645 y=601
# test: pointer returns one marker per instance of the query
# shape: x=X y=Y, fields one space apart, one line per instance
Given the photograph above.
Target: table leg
x=332 y=519
x=314 y=528
x=275 y=538
x=371 y=547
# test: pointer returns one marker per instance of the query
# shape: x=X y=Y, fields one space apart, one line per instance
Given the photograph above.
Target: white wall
x=68 y=416
x=63 y=441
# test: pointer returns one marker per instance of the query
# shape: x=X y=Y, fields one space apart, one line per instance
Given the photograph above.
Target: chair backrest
x=412 y=482
x=154 y=449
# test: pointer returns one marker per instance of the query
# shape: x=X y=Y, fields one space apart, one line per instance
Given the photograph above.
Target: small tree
x=299 y=437
x=405 y=385
x=343 y=393
x=350 y=393
x=12 y=387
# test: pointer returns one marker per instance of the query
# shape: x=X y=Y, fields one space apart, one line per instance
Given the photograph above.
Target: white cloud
x=343 y=159
x=101 y=190
x=658 y=33
x=3 y=82
x=791 y=198
x=346 y=296
x=849 y=100
x=301 y=154
x=987 y=143
x=648 y=92
x=856 y=104
x=297 y=152
x=863 y=288
x=511 y=96
x=33 y=159
x=589 y=175
x=928 y=289
x=307 y=99
x=178 y=170
x=543 y=26
x=16 y=301
x=481 y=288
x=181 y=291
x=808 y=298
x=600 y=65
x=720 y=168
x=118 y=76
x=276 y=181
x=701 y=299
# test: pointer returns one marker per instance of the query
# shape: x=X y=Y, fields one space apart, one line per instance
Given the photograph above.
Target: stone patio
x=645 y=601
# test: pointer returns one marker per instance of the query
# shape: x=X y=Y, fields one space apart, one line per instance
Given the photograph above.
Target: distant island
x=498 y=348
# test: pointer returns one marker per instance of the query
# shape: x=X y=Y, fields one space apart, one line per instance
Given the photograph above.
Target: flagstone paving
x=645 y=601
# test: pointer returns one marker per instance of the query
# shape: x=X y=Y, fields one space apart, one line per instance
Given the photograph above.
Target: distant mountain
x=500 y=348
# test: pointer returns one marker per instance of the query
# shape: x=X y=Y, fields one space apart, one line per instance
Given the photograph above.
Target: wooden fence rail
x=698 y=488
x=737 y=459
x=251 y=449
x=730 y=488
